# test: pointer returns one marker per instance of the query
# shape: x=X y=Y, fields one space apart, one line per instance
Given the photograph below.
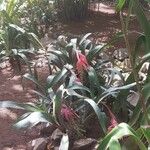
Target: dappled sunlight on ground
x=102 y=22
x=11 y=89
x=17 y=87
x=7 y=114
x=100 y=25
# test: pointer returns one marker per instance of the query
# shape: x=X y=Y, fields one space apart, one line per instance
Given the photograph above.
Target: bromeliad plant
x=10 y=11
x=80 y=88
x=76 y=88
x=16 y=44
x=34 y=15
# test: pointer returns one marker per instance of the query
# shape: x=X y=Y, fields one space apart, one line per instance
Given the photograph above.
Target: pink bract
x=82 y=63
x=67 y=113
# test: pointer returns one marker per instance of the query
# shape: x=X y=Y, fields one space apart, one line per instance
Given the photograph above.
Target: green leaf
x=144 y=119
x=146 y=91
x=57 y=101
x=113 y=90
x=57 y=63
x=23 y=56
x=33 y=79
x=95 y=81
x=145 y=58
x=130 y=78
x=60 y=55
x=16 y=105
x=71 y=92
x=94 y=52
x=31 y=107
x=50 y=78
x=120 y=5
x=17 y=28
x=113 y=73
x=64 y=144
x=119 y=132
x=87 y=44
x=11 y=7
x=1 y=2
x=115 y=145
x=79 y=87
x=144 y=23
x=136 y=113
x=146 y=132
x=122 y=87
x=59 y=76
x=31 y=120
x=98 y=112
x=11 y=104
x=84 y=38
x=141 y=40
x=34 y=40
x=40 y=95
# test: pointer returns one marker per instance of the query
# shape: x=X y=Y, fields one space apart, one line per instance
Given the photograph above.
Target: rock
x=45 y=40
x=144 y=67
x=83 y=144
x=61 y=40
x=57 y=135
x=121 y=54
x=34 y=131
x=143 y=71
x=47 y=130
x=133 y=98
x=37 y=144
x=41 y=129
x=118 y=83
x=56 y=148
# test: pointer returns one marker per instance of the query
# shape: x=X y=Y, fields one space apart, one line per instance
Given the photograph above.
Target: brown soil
x=102 y=24
x=11 y=89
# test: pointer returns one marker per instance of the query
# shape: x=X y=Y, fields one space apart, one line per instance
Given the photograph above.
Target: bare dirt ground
x=103 y=25
x=11 y=89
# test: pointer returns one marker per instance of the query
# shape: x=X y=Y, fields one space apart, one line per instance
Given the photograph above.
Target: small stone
x=144 y=67
x=57 y=135
x=37 y=144
x=133 y=98
x=83 y=144
x=121 y=54
x=56 y=148
x=61 y=40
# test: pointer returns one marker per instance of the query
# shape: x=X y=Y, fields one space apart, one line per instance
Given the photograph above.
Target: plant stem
x=135 y=72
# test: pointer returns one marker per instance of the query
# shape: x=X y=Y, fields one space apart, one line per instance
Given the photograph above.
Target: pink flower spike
x=113 y=123
x=67 y=113
x=82 y=63
x=113 y=120
x=77 y=80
